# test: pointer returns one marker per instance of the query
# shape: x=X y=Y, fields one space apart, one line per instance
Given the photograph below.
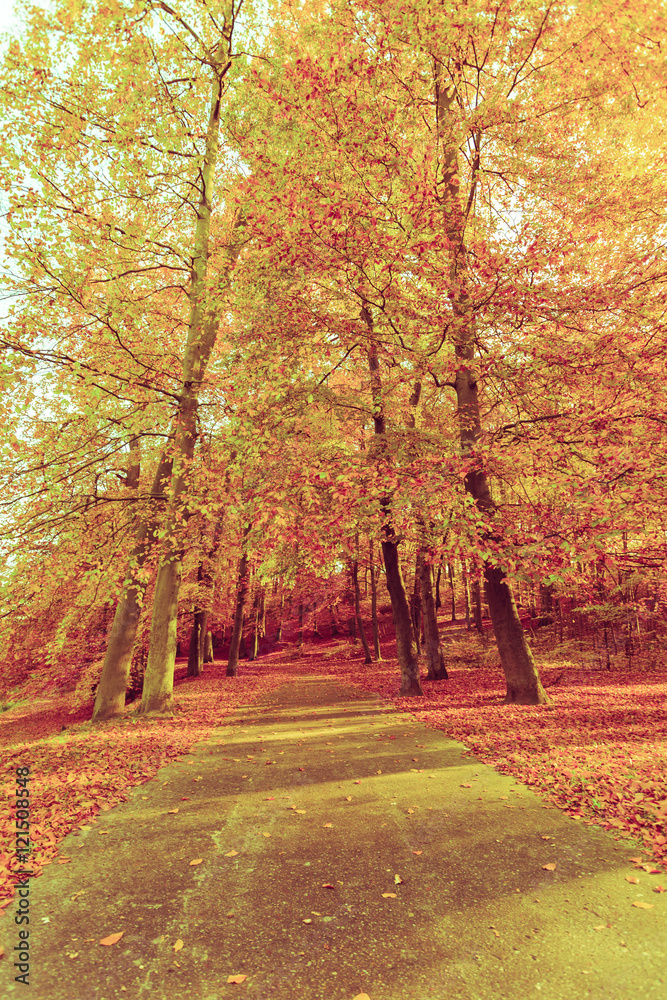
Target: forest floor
x=599 y=755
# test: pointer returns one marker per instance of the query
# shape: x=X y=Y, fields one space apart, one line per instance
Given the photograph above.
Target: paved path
x=345 y=849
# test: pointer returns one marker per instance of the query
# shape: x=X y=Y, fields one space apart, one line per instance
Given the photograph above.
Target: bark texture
x=435 y=661
x=237 y=631
x=110 y=695
x=357 y=610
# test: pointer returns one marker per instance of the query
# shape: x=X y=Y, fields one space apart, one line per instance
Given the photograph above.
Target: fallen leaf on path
x=307 y=920
x=231 y=854
x=348 y=798
x=112 y=938
x=361 y=996
x=632 y=879
x=417 y=852
x=398 y=880
x=172 y=811
x=658 y=888
x=466 y=786
x=494 y=931
x=549 y=868
x=327 y=885
x=643 y=906
x=410 y=810
x=196 y=861
x=636 y=861
x=599 y=927
x=301 y=812
x=389 y=895
x=177 y=946
x=236 y=979
x=328 y=825
x=266 y=834
x=545 y=836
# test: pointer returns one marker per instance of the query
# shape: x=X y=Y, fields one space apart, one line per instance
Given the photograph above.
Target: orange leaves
x=177 y=945
x=196 y=861
x=632 y=879
x=231 y=854
x=389 y=895
x=550 y=867
x=236 y=979
x=112 y=939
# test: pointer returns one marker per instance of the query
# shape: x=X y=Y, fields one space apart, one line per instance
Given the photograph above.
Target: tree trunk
x=208 y=648
x=237 y=630
x=374 y=604
x=157 y=694
x=406 y=649
x=205 y=312
x=416 y=606
x=110 y=696
x=300 y=634
x=523 y=683
x=197 y=643
x=450 y=574
x=279 y=629
x=438 y=602
x=435 y=661
x=477 y=604
x=357 y=610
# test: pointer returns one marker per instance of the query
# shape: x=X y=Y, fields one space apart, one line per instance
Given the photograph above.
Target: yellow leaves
x=177 y=945
x=265 y=834
x=398 y=880
x=307 y=920
x=231 y=854
x=361 y=996
x=172 y=811
x=112 y=939
x=417 y=852
x=389 y=895
x=550 y=867
x=236 y=979
x=196 y=861
x=643 y=906
x=328 y=826
x=348 y=798
x=632 y=879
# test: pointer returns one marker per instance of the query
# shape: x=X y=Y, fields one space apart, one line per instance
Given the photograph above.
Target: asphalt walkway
x=323 y=845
